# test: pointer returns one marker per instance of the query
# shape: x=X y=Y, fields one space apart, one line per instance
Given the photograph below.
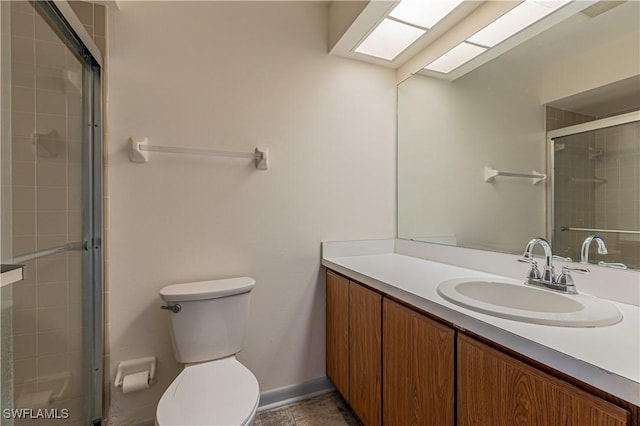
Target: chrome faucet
x=548 y=279
x=584 y=254
x=548 y=274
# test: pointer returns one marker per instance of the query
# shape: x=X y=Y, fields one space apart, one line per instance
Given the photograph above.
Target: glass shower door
x=49 y=318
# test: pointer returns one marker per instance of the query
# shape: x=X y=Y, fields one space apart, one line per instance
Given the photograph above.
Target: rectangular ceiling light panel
x=389 y=39
x=462 y=53
x=512 y=22
x=424 y=13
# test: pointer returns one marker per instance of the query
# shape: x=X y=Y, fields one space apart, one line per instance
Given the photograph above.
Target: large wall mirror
x=554 y=117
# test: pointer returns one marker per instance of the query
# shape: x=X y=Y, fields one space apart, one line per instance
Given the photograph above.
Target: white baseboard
x=288 y=394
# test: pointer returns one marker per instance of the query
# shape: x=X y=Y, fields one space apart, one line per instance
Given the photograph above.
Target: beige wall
x=236 y=76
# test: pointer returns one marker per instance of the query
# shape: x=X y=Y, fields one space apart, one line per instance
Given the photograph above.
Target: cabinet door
x=418 y=369
x=337 y=329
x=497 y=389
x=365 y=313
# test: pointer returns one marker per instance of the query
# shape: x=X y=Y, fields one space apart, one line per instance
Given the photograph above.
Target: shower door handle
x=87 y=245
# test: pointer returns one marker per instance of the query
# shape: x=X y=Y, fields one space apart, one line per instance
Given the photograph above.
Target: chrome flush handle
x=173 y=308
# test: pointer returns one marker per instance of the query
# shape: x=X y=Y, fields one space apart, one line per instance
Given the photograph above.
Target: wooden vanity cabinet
x=497 y=389
x=365 y=363
x=418 y=369
x=354 y=351
x=337 y=332
x=398 y=367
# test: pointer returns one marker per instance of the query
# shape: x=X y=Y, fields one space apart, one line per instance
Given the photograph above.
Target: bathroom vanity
x=400 y=354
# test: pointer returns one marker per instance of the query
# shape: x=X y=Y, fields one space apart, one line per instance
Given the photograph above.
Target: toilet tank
x=211 y=320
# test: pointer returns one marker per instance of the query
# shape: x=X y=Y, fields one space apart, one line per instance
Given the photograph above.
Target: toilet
x=207 y=329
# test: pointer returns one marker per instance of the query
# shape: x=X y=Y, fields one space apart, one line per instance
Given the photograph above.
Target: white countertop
x=605 y=357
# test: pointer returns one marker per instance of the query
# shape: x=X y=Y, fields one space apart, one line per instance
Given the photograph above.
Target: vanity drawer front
x=497 y=389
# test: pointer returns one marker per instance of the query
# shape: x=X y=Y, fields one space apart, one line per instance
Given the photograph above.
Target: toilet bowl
x=222 y=392
x=207 y=321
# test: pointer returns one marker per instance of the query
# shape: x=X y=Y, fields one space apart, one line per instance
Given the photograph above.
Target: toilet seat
x=220 y=392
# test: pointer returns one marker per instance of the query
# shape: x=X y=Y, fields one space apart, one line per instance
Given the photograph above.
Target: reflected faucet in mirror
x=602 y=249
x=584 y=253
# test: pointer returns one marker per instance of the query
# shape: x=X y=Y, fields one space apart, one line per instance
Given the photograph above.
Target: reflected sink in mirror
x=519 y=302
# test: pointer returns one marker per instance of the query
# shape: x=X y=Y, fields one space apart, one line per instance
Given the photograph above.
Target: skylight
x=389 y=39
x=423 y=13
x=512 y=22
x=406 y=23
x=410 y=20
x=455 y=57
x=517 y=19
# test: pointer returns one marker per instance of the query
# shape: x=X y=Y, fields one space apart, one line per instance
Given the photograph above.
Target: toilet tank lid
x=202 y=290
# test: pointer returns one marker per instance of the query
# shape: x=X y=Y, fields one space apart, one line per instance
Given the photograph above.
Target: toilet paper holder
x=134 y=366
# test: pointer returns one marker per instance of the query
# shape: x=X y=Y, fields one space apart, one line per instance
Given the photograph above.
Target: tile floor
x=324 y=410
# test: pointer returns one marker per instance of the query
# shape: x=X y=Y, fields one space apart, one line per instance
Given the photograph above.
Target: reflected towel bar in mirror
x=614 y=231
x=490 y=174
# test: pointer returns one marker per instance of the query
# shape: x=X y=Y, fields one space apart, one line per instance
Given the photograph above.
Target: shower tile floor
x=324 y=410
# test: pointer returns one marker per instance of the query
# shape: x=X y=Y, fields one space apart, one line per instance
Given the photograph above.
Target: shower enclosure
x=596 y=188
x=50 y=211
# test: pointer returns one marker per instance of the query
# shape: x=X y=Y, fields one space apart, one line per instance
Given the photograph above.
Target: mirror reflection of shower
x=596 y=188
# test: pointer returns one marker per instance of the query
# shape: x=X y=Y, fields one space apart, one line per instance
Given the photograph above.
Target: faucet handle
x=565 y=279
x=564 y=259
x=612 y=265
x=567 y=269
x=534 y=272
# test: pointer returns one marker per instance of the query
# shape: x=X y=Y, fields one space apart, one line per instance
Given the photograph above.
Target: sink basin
x=529 y=304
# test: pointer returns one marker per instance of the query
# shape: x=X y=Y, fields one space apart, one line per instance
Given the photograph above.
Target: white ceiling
x=618 y=97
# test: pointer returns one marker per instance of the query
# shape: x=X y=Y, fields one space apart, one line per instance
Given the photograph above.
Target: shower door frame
x=589 y=126
x=92 y=259
x=60 y=15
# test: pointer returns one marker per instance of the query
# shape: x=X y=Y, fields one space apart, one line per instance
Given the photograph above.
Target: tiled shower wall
x=46 y=209
x=597 y=185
